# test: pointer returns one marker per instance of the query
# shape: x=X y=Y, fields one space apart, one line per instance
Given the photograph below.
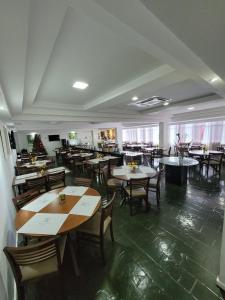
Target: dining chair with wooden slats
x=95 y=229
x=56 y=180
x=82 y=181
x=137 y=189
x=38 y=183
x=35 y=261
x=20 y=200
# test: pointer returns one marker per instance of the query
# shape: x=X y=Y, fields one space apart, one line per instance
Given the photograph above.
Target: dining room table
x=37 y=163
x=126 y=173
x=58 y=212
x=203 y=153
x=96 y=161
x=176 y=168
x=20 y=180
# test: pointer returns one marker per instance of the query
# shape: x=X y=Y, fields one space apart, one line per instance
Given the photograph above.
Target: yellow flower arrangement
x=133 y=165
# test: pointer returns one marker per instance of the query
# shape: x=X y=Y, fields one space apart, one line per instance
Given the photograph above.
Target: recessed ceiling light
x=80 y=85
x=1 y=108
x=135 y=98
x=166 y=103
x=191 y=108
x=214 y=79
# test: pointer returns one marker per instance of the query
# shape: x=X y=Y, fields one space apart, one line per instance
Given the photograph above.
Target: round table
x=125 y=173
x=203 y=153
x=72 y=221
x=176 y=168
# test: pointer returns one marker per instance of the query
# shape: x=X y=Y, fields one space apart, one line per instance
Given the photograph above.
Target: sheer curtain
x=209 y=133
x=141 y=135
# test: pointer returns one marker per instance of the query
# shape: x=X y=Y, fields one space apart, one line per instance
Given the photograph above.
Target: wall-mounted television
x=54 y=137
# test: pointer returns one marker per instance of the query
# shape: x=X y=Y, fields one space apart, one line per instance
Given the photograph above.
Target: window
x=141 y=135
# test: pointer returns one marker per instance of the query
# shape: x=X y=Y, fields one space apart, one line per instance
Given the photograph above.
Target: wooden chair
x=154 y=185
x=22 y=199
x=95 y=229
x=214 y=160
x=25 y=170
x=98 y=170
x=137 y=189
x=38 y=183
x=56 y=180
x=112 y=184
x=168 y=153
x=81 y=181
x=36 y=261
x=50 y=164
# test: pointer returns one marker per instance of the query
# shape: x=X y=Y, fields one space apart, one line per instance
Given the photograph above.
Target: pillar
x=164 y=135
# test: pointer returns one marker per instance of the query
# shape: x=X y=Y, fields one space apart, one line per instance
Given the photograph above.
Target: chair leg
x=102 y=250
x=111 y=232
x=130 y=205
x=158 y=197
x=21 y=292
x=146 y=204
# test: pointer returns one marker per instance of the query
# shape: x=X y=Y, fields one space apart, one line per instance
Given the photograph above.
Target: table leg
x=73 y=255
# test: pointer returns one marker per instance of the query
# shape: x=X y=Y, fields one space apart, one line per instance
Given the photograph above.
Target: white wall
x=83 y=136
x=7 y=218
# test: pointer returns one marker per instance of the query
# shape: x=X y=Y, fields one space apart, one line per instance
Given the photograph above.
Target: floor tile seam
x=159 y=266
x=190 y=237
x=206 y=270
x=207 y=287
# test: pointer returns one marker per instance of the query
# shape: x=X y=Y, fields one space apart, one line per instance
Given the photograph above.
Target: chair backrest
x=159 y=175
x=157 y=152
x=22 y=199
x=83 y=181
x=106 y=211
x=139 y=183
x=50 y=164
x=54 y=178
x=37 y=183
x=215 y=157
x=29 y=255
x=25 y=170
x=112 y=164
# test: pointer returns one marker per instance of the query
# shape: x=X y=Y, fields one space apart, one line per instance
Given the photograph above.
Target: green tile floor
x=171 y=253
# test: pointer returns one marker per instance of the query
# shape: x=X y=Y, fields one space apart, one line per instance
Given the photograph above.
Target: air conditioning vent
x=152 y=101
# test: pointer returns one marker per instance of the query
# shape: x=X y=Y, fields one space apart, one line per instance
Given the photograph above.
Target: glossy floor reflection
x=171 y=253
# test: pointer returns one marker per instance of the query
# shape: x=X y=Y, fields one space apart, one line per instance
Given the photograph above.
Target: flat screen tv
x=53 y=138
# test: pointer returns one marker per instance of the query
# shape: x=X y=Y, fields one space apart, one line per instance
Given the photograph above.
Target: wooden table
x=125 y=173
x=203 y=153
x=37 y=163
x=21 y=179
x=72 y=221
x=96 y=161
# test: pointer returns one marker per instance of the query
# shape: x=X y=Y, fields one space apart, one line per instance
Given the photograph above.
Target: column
x=119 y=139
x=164 y=135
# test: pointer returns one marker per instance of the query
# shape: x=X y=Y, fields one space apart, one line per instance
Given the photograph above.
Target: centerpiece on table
x=133 y=166
x=43 y=170
x=33 y=158
x=204 y=148
x=99 y=155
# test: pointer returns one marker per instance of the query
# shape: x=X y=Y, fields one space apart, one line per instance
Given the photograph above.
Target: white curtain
x=141 y=135
x=209 y=133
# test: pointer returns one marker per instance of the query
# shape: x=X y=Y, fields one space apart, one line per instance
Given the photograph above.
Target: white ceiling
x=121 y=48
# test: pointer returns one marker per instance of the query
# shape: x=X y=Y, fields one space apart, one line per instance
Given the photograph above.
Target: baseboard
x=220 y=284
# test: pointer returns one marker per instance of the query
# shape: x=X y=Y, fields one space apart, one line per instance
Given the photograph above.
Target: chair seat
x=211 y=162
x=113 y=182
x=139 y=192
x=153 y=183
x=47 y=266
x=93 y=225
x=39 y=269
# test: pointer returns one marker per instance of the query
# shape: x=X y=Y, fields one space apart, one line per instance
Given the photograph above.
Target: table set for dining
x=58 y=212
